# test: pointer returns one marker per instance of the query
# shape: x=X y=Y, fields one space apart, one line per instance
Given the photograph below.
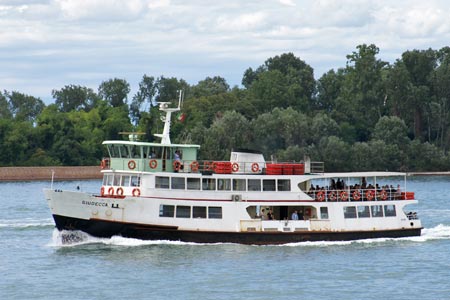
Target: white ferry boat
x=161 y=191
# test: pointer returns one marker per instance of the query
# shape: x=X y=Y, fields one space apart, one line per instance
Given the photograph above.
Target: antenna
x=164 y=107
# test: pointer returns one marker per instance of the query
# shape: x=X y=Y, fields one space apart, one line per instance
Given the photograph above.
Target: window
x=268 y=184
x=193 y=183
x=123 y=151
x=113 y=150
x=162 y=182
x=254 y=185
x=223 y=184
x=389 y=211
x=108 y=179
x=377 y=211
x=209 y=184
x=125 y=180
x=214 y=212
x=324 y=212
x=239 y=185
x=178 y=183
x=284 y=185
x=363 y=212
x=116 y=180
x=166 y=211
x=199 y=212
x=136 y=181
x=350 y=212
x=183 y=211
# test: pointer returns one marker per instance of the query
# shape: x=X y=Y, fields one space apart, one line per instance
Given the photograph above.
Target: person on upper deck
x=294 y=215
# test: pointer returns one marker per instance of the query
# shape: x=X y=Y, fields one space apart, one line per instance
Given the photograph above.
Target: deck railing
x=370 y=194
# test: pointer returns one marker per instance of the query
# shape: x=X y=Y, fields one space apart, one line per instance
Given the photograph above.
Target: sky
x=48 y=44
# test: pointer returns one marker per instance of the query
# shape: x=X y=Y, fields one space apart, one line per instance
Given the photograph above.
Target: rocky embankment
x=45 y=173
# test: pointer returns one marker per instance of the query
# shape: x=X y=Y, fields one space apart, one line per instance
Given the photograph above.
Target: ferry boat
x=161 y=191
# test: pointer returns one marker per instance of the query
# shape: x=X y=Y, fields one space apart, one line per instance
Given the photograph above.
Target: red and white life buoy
x=177 y=165
x=131 y=164
x=320 y=196
x=344 y=196
x=235 y=167
x=102 y=191
x=255 y=167
x=370 y=195
x=356 y=195
x=153 y=164
x=383 y=195
x=119 y=191
x=332 y=196
x=136 y=192
x=111 y=191
x=194 y=166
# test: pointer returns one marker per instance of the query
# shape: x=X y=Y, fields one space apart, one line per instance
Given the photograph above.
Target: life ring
x=207 y=166
x=102 y=191
x=369 y=195
x=194 y=166
x=383 y=195
x=235 y=167
x=103 y=164
x=176 y=165
x=332 y=196
x=131 y=164
x=136 y=192
x=153 y=163
x=111 y=191
x=255 y=167
x=119 y=191
x=343 y=195
x=320 y=196
x=356 y=195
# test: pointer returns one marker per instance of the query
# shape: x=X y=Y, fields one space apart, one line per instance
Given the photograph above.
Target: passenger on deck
x=294 y=215
x=270 y=215
x=300 y=215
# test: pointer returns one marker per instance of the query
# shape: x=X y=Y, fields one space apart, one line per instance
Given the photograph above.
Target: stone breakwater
x=45 y=173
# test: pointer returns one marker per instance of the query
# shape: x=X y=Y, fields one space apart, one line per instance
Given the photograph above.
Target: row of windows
x=222 y=184
x=197 y=212
x=122 y=180
x=365 y=211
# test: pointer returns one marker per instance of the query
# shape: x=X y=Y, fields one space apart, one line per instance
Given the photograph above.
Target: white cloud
x=287 y=2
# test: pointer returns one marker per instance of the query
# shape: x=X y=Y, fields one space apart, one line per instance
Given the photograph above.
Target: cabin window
x=350 y=212
x=239 y=185
x=193 y=183
x=166 y=211
x=254 y=185
x=389 y=211
x=199 y=212
x=284 y=185
x=268 y=184
x=135 y=180
x=377 y=211
x=178 y=183
x=363 y=212
x=183 y=211
x=209 y=184
x=116 y=179
x=125 y=180
x=324 y=212
x=108 y=179
x=123 y=151
x=223 y=184
x=135 y=152
x=214 y=212
x=162 y=182
x=114 y=151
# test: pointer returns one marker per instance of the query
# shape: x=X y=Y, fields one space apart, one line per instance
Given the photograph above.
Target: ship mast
x=164 y=106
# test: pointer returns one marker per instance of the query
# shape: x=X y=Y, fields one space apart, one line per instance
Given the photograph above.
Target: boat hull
x=106 y=229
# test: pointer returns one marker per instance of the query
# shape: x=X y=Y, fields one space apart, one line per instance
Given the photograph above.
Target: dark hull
x=100 y=228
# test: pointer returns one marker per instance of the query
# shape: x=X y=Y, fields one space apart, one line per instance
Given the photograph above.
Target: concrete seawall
x=45 y=173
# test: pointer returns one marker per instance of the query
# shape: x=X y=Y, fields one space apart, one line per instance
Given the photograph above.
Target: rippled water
x=35 y=265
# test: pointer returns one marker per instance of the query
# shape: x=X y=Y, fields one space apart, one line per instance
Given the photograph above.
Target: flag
x=181 y=117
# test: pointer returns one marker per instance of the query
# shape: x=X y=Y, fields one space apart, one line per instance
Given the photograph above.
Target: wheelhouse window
x=209 y=184
x=116 y=179
x=193 y=183
x=350 y=212
x=135 y=180
x=113 y=151
x=284 y=185
x=377 y=211
x=178 y=183
x=254 y=185
x=268 y=185
x=161 y=182
x=324 y=212
x=239 y=184
x=125 y=181
x=389 y=211
x=363 y=212
x=166 y=211
x=124 y=151
x=199 y=212
x=214 y=212
x=223 y=184
x=183 y=211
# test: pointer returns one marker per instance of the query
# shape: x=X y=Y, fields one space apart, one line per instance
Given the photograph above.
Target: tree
x=5 y=113
x=145 y=94
x=114 y=91
x=24 y=107
x=75 y=97
x=210 y=86
x=391 y=130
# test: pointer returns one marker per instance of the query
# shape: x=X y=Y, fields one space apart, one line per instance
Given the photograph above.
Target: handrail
x=347 y=194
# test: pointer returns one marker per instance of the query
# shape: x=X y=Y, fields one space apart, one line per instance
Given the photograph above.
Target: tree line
x=366 y=115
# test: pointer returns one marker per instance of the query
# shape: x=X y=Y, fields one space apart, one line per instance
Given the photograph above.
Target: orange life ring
x=356 y=195
x=119 y=191
x=383 y=195
x=102 y=191
x=332 y=196
x=235 y=167
x=194 y=166
x=207 y=166
x=103 y=164
x=343 y=195
x=320 y=196
x=176 y=165
x=370 y=194
x=131 y=164
x=153 y=163
x=111 y=191
x=136 y=192
x=255 y=167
